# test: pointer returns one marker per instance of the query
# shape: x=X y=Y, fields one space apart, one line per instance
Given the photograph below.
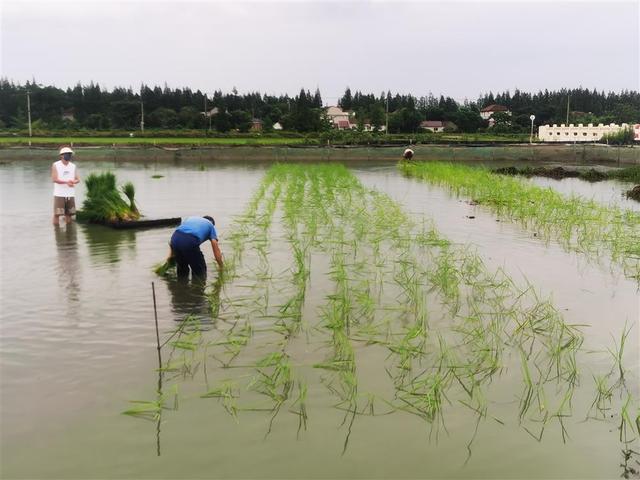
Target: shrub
x=622 y=137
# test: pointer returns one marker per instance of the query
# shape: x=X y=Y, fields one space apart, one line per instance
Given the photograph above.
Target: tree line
x=92 y=107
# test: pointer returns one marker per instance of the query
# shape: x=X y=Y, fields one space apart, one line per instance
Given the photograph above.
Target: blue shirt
x=199 y=227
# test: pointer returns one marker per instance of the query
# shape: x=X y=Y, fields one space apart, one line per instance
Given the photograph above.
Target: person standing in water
x=65 y=177
x=185 y=245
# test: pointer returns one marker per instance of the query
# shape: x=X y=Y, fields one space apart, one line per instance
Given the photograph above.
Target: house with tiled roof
x=489 y=110
x=344 y=125
x=437 y=126
x=341 y=119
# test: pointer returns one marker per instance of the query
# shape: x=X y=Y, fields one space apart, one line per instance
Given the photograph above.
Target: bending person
x=185 y=245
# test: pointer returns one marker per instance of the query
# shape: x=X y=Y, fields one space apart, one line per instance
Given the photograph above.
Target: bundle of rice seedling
x=104 y=203
x=163 y=268
x=130 y=192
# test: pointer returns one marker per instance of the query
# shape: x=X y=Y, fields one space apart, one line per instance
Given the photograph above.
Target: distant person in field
x=408 y=154
x=185 y=246
x=65 y=177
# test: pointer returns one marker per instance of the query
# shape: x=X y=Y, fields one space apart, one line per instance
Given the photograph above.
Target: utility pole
x=532 y=118
x=141 y=115
x=29 y=115
x=206 y=111
x=386 y=122
x=568 y=98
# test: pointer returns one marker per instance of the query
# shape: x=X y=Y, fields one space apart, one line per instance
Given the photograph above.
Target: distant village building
x=256 y=125
x=487 y=112
x=581 y=133
x=342 y=120
x=437 y=126
x=345 y=120
x=344 y=125
x=368 y=127
x=211 y=113
x=636 y=132
x=69 y=115
x=277 y=126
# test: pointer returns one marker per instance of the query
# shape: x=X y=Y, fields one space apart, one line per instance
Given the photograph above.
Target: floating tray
x=143 y=223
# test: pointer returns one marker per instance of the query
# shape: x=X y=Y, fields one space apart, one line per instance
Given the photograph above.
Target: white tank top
x=65 y=172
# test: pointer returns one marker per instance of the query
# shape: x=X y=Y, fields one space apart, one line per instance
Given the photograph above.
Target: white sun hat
x=65 y=150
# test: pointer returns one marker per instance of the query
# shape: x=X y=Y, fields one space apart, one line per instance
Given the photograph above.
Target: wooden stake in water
x=159 y=347
x=155 y=315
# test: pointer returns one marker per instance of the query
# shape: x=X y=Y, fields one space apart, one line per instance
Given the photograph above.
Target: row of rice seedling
x=578 y=224
x=442 y=327
x=538 y=319
x=445 y=272
x=340 y=309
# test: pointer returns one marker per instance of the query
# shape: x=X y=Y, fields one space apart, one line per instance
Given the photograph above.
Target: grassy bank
x=629 y=174
x=193 y=138
x=152 y=141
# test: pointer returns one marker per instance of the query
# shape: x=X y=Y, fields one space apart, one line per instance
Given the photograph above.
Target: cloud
x=455 y=48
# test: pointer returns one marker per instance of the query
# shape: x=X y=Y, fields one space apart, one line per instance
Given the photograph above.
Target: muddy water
x=78 y=344
x=609 y=192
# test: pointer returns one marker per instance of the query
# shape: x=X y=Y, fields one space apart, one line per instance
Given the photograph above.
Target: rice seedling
x=273 y=380
x=147 y=410
x=163 y=269
x=603 y=397
x=226 y=393
x=301 y=402
x=579 y=225
x=233 y=342
x=448 y=324
x=130 y=192
x=617 y=353
x=103 y=202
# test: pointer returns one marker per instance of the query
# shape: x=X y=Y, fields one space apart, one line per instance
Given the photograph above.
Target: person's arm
x=216 y=252
x=54 y=175
x=77 y=179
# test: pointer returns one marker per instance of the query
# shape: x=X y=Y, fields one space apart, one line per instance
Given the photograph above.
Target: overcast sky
x=453 y=48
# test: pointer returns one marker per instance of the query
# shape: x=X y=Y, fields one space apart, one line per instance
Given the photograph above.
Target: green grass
x=628 y=174
x=160 y=141
x=351 y=138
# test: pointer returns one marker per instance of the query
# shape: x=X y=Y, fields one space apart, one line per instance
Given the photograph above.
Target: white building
x=577 y=133
x=277 y=126
x=437 y=126
x=339 y=118
x=211 y=113
x=489 y=110
x=345 y=120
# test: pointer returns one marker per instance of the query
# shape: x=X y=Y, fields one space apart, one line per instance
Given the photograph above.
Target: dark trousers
x=186 y=250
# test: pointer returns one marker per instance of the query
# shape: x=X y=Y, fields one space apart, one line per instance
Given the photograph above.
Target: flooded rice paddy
x=367 y=325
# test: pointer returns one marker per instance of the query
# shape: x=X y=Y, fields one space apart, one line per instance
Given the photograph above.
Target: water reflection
x=68 y=261
x=195 y=298
x=188 y=297
x=105 y=244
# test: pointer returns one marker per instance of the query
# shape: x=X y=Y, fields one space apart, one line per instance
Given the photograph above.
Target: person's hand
x=71 y=183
